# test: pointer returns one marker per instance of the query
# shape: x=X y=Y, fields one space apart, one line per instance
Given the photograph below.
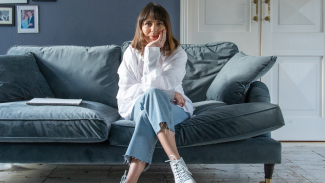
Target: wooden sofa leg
x=268 y=170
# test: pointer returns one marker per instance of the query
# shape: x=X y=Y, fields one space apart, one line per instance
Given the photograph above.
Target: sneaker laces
x=123 y=180
x=178 y=166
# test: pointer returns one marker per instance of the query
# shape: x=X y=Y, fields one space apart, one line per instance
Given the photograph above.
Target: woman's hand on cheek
x=160 y=42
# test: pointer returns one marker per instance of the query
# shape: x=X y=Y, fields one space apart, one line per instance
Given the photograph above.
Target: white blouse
x=139 y=73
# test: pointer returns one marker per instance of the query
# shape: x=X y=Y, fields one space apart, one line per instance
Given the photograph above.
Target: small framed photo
x=27 y=19
x=7 y=15
x=13 y=1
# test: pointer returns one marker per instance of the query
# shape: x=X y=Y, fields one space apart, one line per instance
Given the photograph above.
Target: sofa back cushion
x=21 y=79
x=233 y=81
x=77 y=72
x=204 y=62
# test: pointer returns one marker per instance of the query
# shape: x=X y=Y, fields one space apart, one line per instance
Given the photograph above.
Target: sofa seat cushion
x=214 y=124
x=206 y=105
x=87 y=123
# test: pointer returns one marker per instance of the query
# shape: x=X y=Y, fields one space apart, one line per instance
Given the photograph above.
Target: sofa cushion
x=77 y=72
x=21 y=79
x=234 y=79
x=204 y=62
x=214 y=124
x=206 y=105
x=87 y=123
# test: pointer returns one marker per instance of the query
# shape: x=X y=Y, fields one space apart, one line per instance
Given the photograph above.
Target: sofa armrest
x=258 y=92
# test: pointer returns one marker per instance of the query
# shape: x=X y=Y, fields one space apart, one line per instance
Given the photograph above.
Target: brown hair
x=160 y=14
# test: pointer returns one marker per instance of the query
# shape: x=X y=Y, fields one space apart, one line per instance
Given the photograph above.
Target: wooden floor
x=301 y=162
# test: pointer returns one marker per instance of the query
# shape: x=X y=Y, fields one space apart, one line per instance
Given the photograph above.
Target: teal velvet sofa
x=220 y=132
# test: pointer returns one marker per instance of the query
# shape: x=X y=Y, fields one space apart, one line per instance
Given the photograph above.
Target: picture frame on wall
x=13 y=1
x=7 y=15
x=27 y=19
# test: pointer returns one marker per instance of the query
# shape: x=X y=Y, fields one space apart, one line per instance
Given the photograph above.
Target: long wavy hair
x=139 y=42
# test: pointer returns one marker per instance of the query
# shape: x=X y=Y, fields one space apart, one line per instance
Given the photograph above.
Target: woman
x=151 y=93
x=24 y=23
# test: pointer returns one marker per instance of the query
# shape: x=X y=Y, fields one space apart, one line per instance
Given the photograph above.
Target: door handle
x=268 y=18
x=256 y=17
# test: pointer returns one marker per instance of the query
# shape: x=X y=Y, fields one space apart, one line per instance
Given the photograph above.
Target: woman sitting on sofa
x=151 y=93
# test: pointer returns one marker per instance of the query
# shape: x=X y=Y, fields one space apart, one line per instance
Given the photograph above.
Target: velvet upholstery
x=234 y=79
x=86 y=123
x=21 y=79
x=251 y=150
x=77 y=72
x=217 y=133
x=213 y=125
x=204 y=62
x=258 y=92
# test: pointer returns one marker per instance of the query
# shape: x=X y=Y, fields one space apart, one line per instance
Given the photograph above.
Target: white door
x=295 y=33
x=221 y=20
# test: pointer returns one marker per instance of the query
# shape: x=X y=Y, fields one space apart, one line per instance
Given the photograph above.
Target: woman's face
x=26 y=17
x=151 y=28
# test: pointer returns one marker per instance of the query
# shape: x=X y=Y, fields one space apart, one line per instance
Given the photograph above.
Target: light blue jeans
x=149 y=111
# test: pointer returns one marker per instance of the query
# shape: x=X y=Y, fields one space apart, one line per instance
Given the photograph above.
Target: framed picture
x=13 y=1
x=7 y=15
x=27 y=19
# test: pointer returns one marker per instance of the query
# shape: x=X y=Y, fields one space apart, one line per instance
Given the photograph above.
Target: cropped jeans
x=149 y=112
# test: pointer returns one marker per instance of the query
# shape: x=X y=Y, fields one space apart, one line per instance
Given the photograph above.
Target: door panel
x=295 y=34
x=234 y=16
x=296 y=82
x=224 y=20
x=300 y=86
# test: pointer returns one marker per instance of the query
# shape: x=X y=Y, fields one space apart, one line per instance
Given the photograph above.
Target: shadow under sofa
x=218 y=133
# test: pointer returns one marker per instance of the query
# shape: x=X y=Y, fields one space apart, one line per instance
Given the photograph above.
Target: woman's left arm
x=165 y=79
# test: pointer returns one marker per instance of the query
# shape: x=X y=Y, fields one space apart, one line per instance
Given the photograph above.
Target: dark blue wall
x=86 y=23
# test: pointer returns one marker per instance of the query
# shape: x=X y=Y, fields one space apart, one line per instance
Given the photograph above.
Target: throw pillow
x=21 y=79
x=234 y=79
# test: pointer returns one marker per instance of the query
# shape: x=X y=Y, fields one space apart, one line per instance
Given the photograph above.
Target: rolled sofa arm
x=258 y=92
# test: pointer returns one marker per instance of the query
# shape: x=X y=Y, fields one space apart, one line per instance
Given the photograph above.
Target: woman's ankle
x=173 y=157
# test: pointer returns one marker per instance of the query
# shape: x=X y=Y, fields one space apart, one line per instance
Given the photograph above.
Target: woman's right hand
x=179 y=99
x=160 y=42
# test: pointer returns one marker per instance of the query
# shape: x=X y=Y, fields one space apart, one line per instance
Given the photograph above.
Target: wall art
x=27 y=19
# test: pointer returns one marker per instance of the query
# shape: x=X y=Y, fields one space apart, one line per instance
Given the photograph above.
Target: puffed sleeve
x=129 y=87
x=166 y=78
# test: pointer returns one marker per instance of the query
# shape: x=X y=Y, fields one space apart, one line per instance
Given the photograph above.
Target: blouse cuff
x=171 y=94
x=151 y=58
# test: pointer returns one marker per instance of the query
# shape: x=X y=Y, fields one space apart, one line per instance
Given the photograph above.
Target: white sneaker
x=180 y=171
x=123 y=180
